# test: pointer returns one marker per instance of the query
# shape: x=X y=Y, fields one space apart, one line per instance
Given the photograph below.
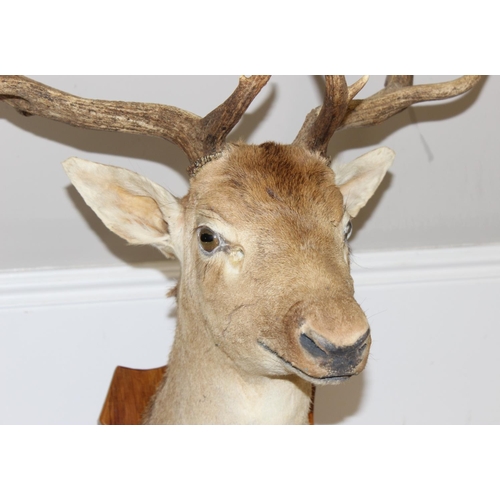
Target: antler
x=197 y=136
x=321 y=122
x=202 y=137
x=340 y=111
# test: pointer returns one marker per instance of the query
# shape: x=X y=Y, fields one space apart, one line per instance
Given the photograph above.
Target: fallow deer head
x=265 y=289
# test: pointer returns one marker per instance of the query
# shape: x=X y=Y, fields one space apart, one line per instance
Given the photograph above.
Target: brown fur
x=281 y=204
x=271 y=311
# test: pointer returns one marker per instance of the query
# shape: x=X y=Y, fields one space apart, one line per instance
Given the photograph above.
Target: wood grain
x=129 y=394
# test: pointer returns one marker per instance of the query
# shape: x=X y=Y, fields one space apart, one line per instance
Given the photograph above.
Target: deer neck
x=203 y=385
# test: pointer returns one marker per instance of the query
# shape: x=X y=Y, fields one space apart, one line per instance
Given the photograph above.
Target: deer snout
x=345 y=360
x=323 y=347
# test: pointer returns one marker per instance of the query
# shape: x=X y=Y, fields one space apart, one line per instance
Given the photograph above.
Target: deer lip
x=303 y=374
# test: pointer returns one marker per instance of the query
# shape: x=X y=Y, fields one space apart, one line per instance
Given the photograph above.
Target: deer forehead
x=265 y=186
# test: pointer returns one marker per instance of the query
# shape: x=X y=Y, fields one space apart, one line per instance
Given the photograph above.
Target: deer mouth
x=327 y=379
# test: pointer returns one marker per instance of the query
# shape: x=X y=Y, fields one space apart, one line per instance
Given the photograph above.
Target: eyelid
x=205 y=226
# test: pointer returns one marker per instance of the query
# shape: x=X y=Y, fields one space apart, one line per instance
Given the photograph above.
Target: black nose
x=342 y=359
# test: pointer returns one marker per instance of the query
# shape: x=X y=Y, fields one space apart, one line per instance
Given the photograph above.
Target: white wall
x=443 y=189
x=433 y=315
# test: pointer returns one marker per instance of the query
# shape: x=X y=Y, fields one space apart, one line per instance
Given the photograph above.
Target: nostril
x=363 y=342
x=311 y=347
x=319 y=347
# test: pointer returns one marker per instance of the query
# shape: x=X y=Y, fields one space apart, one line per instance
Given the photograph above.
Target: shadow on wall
x=99 y=141
x=109 y=143
x=334 y=403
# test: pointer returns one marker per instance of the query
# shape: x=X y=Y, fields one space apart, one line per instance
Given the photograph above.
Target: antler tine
x=219 y=122
x=357 y=86
x=340 y=110
x=400 y=93
x=197 y=136
x=321 y=122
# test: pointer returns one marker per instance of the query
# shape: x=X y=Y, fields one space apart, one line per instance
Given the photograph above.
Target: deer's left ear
x=133 y=207
x=359 y=179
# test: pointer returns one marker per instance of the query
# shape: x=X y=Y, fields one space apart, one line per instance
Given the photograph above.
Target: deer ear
x=130 y=205
x=359 y=179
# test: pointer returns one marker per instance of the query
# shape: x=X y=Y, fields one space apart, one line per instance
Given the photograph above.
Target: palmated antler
x=198 y=137
x=340 y=111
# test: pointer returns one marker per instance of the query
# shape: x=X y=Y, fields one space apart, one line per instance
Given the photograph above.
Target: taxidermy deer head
x=266 y=302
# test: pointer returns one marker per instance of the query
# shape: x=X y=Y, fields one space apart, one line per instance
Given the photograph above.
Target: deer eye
x=209 y=240
x=348 y=230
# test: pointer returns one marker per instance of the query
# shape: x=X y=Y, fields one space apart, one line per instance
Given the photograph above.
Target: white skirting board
x=435 y=357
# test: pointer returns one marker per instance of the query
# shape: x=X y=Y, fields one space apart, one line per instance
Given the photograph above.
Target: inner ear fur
x=130 y=205
x=360 y=178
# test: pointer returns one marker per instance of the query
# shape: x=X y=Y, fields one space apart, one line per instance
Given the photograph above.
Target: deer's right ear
x=132 y=206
